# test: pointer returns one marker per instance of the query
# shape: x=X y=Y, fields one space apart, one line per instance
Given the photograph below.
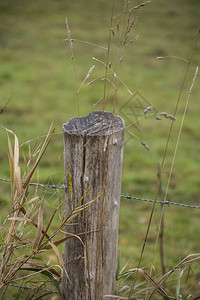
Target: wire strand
x=53 y=186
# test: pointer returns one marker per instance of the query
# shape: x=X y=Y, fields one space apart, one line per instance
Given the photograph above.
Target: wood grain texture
x=93 y=152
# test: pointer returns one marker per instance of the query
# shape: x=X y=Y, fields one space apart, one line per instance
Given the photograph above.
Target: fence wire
x=55 y=187
x=162 y=202
x=29 y=288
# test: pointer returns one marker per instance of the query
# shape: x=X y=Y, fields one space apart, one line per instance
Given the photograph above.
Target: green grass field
x=37 y=73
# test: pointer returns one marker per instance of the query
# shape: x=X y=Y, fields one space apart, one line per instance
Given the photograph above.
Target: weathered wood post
x=93 y=153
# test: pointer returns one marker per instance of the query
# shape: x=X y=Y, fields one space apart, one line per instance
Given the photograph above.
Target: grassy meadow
x=39 y=77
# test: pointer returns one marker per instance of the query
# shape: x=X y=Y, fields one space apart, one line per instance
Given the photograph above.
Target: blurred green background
x=37 y=72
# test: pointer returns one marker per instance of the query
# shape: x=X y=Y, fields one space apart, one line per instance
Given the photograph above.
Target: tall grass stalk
x=163 y=161
x=175 y=153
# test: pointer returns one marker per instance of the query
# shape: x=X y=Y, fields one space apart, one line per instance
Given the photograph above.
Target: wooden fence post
x=93 y=154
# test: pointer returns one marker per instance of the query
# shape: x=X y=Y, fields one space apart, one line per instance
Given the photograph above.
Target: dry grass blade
x=50 y=221
x=32 y=200
x=11 y=156
x=116 y=297
x=15 y=160
x=16 y=218
x=184 y=261
x=160 y=291
x=40 y=225
x=17 y=173
x=35 y=264
x=37 y=271
x=21 y=219
x=10 y=230
x=71 y=216
x=11 y=162
x=46 y=143
x=59 y=242
x=67 y=220
x=59 y=257
x=5 y=106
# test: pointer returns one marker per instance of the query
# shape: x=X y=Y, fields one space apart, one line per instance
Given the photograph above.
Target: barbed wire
x=161 y=202
x=29 y=287
x=53 y=186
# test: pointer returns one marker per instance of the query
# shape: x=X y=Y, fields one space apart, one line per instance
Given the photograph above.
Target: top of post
x=96 y=123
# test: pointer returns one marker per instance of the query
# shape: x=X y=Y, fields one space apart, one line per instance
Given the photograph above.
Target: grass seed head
x=158 y=118
x=141 y=5
x=134 y=39
x=126 y=5
x=89 y=72
x=145 y=145
x=167 y=116
x=69 y=39
x=113 y=33
x=148 y=109
x=91 y=82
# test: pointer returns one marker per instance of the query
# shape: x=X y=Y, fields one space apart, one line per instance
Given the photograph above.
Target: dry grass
x=152 y=286
x=25 y=241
